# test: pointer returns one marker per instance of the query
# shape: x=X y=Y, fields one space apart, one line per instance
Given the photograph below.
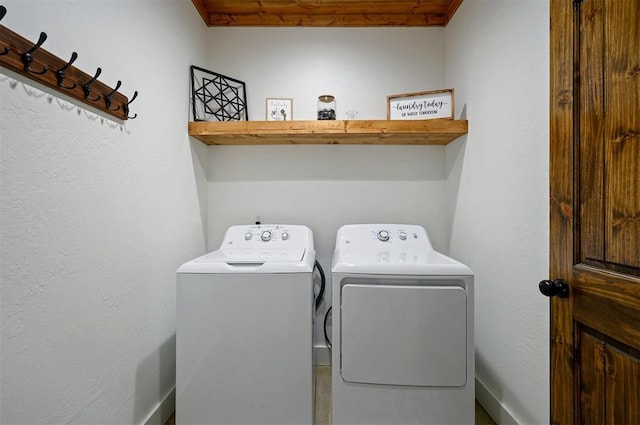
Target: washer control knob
x=403 y=236
x=248 y=236
x=266 y=236
x=383 y=235
x=285 y=236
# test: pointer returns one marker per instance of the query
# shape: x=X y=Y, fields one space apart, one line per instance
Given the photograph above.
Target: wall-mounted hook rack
x=31 y=60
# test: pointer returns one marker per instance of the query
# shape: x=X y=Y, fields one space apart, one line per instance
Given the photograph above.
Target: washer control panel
x=268 y=235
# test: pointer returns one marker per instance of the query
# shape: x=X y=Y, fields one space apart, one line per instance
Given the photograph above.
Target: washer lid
x=249 y=260
x=254 y=255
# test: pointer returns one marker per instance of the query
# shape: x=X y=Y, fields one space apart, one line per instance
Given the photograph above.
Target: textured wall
x=497 y=59
x=96 y=216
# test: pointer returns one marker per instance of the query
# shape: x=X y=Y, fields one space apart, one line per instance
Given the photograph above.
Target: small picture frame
x=279 y=109
x=421 y=105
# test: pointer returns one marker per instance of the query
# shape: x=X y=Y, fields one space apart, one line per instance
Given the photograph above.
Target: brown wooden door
x=595 y=211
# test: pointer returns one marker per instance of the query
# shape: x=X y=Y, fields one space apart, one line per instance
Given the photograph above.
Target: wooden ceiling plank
x=332 y=20
x=301 y=7
x=327 y=13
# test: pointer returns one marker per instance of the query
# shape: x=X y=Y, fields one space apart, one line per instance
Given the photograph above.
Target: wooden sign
x=421 y=106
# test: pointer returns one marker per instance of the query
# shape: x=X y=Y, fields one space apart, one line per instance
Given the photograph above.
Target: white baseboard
x=494 y=407
x=163 y=410
x=322 y=355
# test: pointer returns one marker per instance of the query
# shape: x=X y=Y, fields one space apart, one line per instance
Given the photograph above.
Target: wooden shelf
x=379 y=132
x=327 y=13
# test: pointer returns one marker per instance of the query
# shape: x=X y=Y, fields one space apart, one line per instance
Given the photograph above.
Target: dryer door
x=404 y=335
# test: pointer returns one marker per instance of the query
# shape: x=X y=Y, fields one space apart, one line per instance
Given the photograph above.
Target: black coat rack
x=31 y=60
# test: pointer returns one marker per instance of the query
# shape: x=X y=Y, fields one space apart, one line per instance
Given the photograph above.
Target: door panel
x=607 y=374
x=622 y=386
x=595 y=211
x=609 y=143
x=591 y=379
x=622 y=132
x=591 y=154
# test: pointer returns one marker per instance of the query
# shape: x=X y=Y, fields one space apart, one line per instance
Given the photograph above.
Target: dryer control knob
x=285 y=236
x=248 y=236
x=403 y=236
x=266 y=236
x=383 y=235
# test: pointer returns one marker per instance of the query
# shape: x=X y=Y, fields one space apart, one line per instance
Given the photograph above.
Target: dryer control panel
x=384 y=236
x=401 y=234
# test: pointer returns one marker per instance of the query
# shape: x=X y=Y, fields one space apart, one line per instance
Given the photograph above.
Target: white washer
x=244 y=349
x=403 y=348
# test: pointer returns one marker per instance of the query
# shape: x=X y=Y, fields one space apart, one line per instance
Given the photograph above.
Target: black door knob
x=554 y=287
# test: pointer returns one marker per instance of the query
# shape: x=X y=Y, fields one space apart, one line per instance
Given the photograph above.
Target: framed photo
x=279 y=109
x=421 y=106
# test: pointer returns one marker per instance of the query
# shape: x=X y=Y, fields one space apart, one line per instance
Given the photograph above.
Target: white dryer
x=403 y=350
x=244 y=349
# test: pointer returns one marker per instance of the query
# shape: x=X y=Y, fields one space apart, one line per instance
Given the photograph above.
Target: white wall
x=326 y=186
x=360 y=66
x=497 y=60
x=96 y=216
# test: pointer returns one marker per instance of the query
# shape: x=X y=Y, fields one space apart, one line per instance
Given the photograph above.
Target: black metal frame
x=217 y=97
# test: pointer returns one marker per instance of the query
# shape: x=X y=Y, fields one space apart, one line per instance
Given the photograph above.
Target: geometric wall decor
x=216 y=97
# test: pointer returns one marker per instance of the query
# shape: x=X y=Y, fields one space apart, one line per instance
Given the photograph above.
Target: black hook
x=107 y=98
x=60 y=73
x=87 y=86
x=3 y=11
x=27 y=57
x=125 y=107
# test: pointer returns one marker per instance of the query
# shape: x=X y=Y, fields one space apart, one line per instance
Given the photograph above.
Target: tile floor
x=323 y=401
